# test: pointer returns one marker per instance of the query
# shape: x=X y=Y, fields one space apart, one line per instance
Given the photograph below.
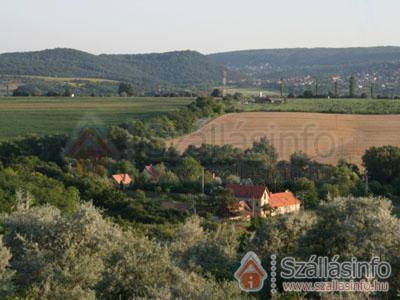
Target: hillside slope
x=300 y=66
x=172 y=69
x=280 y=59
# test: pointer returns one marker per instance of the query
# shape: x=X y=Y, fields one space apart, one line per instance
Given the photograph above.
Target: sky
x=207 y=26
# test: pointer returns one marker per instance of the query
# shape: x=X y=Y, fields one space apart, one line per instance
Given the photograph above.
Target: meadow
x=339 y=106
x=45 y=115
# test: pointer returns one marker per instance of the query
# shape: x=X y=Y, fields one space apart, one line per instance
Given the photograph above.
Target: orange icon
x=251 y=274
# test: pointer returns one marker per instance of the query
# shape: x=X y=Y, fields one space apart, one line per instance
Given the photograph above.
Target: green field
x=344 y=106
x=21 y=116
x=44 y=115
x=251 y=91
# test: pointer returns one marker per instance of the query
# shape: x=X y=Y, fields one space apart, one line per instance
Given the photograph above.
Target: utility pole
x=282 y=87
x=372 y=90
x=352 y=86
x=194 y=204
x=336 y=86
x=224 y=83
x=202 y=181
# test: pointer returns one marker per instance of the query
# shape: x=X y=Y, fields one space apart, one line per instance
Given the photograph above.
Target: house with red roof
x=150 y=172
x=261 y=202
x=122 y=180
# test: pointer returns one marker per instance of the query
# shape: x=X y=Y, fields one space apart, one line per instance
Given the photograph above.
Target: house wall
x=286 y=209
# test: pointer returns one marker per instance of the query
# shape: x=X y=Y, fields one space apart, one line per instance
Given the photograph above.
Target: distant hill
x=145 y=71
x=297 y=65
x=280 y=59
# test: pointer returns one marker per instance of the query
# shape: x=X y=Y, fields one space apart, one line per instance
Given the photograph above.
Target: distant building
x=122 y=180
x=261 y=99
x=150 y=173
x=265 y=99
x=259 y=201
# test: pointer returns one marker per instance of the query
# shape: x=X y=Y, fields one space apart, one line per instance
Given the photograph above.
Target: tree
x=316 y=88
x=125 y=88
x=227 y=204
x=67 y=91
x=329 y=191
x=369 y=221
x=205 y=252
x=306 y=191
x=265 y=148
x=134 y=265
x=352 y=86
x=189 y=170
x=336 y=88
x=27 y=91
x=217 y=93
x=6 y=274
x=382 y=163
x=280 y=235
x=356 y=227
x=299 y=163
x=372 y=90
x=308 y=94
x=58 y=256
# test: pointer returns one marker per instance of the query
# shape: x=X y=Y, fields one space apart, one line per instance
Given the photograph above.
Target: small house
x=150 y=173
x=122 y=180
x=261 y=202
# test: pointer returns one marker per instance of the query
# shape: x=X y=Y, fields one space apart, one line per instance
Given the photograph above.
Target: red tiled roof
x=283 y=199
x=122 y=178
x=247 y=191
x=149 y=169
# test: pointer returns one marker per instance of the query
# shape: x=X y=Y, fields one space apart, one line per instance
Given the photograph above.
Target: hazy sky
x=138 y=26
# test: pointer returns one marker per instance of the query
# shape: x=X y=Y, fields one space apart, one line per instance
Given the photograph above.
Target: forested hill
x=176 y=69
x=310 y=61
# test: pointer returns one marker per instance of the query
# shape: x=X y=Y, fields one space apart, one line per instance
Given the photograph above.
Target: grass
x=341 y=106
x=250 y=91
x=44 y=115
x=65 y=79
x=22 y=116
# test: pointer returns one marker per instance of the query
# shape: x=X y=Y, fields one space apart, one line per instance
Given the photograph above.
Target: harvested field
x=324 y=137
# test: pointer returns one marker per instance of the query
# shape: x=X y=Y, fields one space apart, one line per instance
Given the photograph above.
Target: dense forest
x=183 y=69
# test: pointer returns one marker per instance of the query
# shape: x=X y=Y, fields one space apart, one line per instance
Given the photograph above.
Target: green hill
x=275 y=59
x=300 y=66
x=146 y=71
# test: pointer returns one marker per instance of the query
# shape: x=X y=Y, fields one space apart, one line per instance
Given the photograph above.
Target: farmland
x=324 y=137
x=21 y=116
x=340 y=106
